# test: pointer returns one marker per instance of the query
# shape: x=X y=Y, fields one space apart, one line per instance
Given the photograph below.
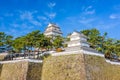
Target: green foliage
x=5 y=39
x=18 y=44
x=2 y=38
x=32 y=40
x=37 y=39
x=99 y=49
x=58 y=42
x=101 y=42
x=94 y=37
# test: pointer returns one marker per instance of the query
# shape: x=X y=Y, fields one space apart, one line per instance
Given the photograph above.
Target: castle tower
x=78 y=39
x=52 y=30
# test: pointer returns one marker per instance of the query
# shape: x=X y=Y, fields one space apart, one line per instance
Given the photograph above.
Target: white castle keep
x=78 y=39
x=52 y=30
x=78 y=45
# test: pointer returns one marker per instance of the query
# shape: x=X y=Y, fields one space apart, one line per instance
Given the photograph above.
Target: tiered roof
x=77 y=38
x=77 y=34
x=52 y=30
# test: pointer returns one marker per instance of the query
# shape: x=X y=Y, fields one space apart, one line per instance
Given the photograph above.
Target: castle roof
x=77 y=41
x=53 y=25
x=76 y=33
x=52 y=29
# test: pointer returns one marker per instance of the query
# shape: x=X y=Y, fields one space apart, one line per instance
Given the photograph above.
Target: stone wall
x=65 y=67
x=14 y=71
x=21 y=70
x=2 y=56
x=1 y=70
x=69 y=67
x=79 y=67
x=34 y=71
x=98 y=69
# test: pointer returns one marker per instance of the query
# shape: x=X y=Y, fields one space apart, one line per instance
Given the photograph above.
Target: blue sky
x=19 y=17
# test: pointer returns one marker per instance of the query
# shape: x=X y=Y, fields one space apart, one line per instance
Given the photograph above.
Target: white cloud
x=24 y=26
x=80 y=21
x=89 y=10
x=35 y=22
x=24 y=21
x=87 y=21
x=26 y=15
x=29 y=16
x=50 y=15
x=89 y=7
x=51 y=4
x=14 y=25
x=107 y=25
x=13 y=31
x=114 y=16
x=42 y=18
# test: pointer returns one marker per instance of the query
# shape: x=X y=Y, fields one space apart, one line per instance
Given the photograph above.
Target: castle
x=52 y=30
x=78 y=41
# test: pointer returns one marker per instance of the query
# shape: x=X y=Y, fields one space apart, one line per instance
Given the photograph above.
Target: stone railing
x=77 y=52
x=14 y=61
x=111 y=62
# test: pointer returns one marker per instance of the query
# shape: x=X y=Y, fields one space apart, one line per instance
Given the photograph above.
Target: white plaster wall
x=75 y=38
x=85 y=44
x=78 y=38
x=75 y=44
x=78 y=44
x=52 y=33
